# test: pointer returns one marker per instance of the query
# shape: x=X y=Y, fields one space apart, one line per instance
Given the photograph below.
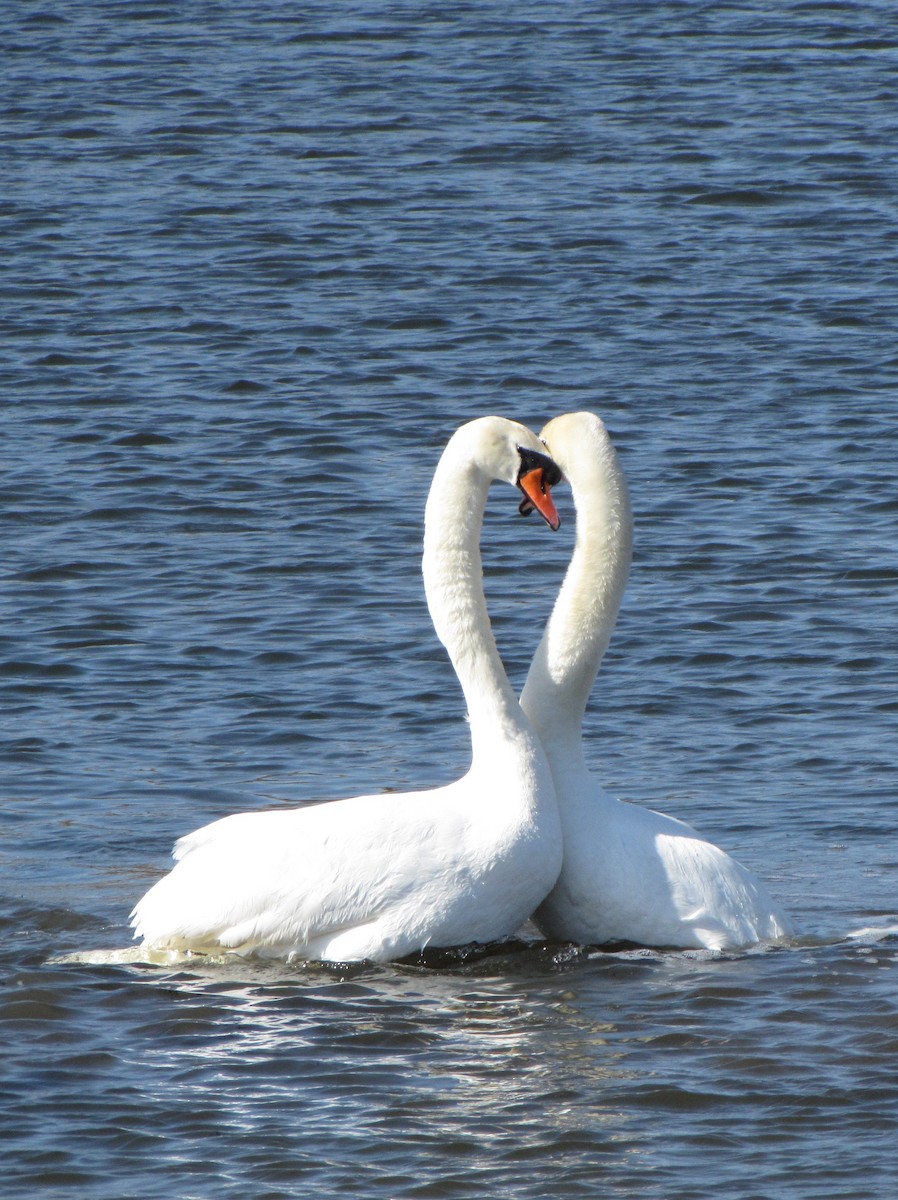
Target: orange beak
x=539 y=493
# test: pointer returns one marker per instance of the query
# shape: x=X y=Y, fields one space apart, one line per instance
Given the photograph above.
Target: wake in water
x=869 y=934
x=500 y=955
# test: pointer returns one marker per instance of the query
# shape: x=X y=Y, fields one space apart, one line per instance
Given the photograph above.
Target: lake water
x=258 y=263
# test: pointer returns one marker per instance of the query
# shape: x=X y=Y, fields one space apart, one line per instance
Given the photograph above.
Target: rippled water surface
x=258 y=263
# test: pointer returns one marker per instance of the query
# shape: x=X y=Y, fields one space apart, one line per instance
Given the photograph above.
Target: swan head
x=581 y=445
x=507 y=450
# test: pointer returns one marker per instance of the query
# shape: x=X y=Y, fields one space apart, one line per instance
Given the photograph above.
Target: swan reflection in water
x=511 y=1052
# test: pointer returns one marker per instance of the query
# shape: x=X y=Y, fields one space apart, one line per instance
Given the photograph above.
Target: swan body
x=383 y=876
x=629 y=874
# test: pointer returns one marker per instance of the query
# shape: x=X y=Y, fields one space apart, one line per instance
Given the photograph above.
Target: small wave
x=872 y=933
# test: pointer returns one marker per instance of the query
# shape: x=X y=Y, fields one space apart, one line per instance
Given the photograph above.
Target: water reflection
x=525 y=1067
x=547 y=1058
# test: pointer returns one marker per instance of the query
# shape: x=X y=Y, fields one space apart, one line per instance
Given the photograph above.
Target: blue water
x=258 y=264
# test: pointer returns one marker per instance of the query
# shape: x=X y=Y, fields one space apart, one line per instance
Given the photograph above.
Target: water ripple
x=255 y=273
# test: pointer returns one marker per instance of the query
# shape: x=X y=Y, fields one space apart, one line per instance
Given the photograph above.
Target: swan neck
x=453 y=582
x=579 y=629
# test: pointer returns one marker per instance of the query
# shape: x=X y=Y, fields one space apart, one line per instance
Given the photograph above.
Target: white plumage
x=382 y=876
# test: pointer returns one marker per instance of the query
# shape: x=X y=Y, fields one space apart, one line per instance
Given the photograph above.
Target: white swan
x=379 y=877
x=629 y=874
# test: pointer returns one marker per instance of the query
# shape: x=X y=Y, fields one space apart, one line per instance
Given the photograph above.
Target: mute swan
x=379 y=877
x=629 y=874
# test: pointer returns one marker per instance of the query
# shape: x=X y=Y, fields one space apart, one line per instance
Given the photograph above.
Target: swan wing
x=714 y=896
x=634 y=875
x=288 y=882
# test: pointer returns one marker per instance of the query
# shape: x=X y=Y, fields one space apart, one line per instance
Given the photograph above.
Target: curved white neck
x=578 y=631
x=453 y=582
